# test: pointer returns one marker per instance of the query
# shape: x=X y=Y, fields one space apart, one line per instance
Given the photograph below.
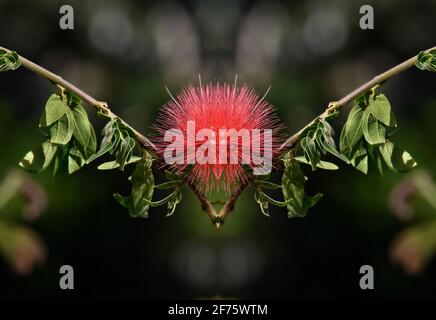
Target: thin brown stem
x=217 y=219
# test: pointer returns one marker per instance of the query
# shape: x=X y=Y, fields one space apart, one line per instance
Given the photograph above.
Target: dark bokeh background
x=124 y=52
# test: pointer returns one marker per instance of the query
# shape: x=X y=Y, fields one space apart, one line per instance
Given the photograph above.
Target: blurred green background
x=124 y=52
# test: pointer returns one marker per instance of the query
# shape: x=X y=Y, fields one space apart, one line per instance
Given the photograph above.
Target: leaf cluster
x=8 y=61
x=427 y=60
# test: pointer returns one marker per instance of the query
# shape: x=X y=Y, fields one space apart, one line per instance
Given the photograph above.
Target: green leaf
x=321 y=164
x=352 y=131
x=61 y=159
x=169 y=175
x=326 y=142
x=75 y=159
x=427 y=60
x=396 y=158
x=267 y=184
x=162 y=201
x=114 y=164
x=125 y=151
x=62 y=130
x=373 y=130
x=380 y=108
x=109 y=142
x=378 y=163
x=293 y=181
x=9 y=60
x=83 y=131
x=138 y=202
x=263 y=203
x=363 y=100
x=54 y=110
x=39 y=158
x=72 y=100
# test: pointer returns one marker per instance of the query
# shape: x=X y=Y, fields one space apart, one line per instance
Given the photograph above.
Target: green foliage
x=71 y=143
x=427 y=60
x=9 y=61
x=262 y=201
x=70 y=137
x=364 y=143
x=317 y=141
x=396 y=158
x=114 y=164
x=261 y=197
x=352 y=132
x=321 y=164
x=140 y=199
x=365 y=137
x=293 y=180
x=39 y=158
x=53 y=111
x=295 y=198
